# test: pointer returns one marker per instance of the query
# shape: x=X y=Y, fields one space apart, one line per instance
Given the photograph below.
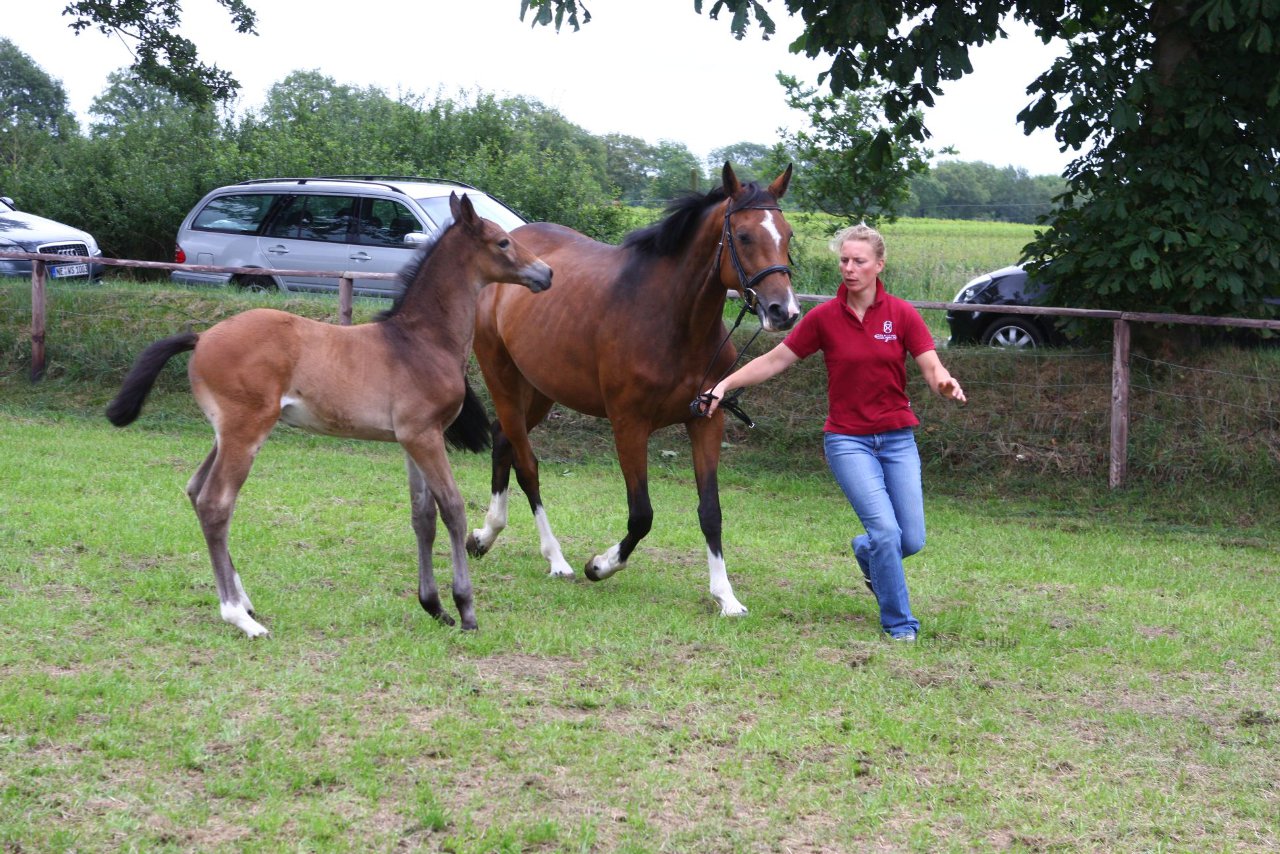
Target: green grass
x=1082 y=682
x=1096 y=669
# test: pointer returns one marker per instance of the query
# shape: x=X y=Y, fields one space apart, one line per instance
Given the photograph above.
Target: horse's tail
x=137 y=385
x=470 y=430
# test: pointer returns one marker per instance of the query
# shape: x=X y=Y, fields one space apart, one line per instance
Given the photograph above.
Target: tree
x=1175 y=105
x=162 y=57
x=840 y=171
x=746 y=158
x=29 y=97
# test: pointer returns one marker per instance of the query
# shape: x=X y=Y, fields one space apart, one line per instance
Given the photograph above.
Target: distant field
x=926 y=259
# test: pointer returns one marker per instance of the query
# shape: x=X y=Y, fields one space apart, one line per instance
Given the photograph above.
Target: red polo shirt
x=866 y=360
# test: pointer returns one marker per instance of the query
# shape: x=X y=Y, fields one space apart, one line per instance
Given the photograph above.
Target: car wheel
x=256 y=284
x=1013 y=333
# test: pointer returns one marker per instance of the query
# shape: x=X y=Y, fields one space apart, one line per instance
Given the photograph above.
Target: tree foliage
x=841 y=169
x=30 y=98
x=162 y=57
x=974 y=190
x=1171 y=104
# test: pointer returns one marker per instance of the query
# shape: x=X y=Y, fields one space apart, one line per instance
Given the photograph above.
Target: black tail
x=137 y=385
x=470 y=430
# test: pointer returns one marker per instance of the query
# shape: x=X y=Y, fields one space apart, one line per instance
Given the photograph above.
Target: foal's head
x=495 y=255
x=479 y=250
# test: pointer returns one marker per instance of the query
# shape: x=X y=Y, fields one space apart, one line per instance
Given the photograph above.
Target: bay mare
x=399 y=379
x=632 y=333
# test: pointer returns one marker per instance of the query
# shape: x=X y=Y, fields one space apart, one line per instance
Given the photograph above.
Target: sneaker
x=905 y=637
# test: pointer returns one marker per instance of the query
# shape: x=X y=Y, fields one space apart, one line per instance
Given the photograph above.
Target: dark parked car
x=1006 y=286
x=24 y=232
x=1012 y=286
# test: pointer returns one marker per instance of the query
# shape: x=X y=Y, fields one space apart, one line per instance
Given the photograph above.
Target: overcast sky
x=648 y=68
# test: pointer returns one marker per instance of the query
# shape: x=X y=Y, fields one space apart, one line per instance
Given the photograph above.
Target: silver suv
x=333 y=224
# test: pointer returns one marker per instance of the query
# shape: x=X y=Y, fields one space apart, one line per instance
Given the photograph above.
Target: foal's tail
x=470 y=430
x=137 y=385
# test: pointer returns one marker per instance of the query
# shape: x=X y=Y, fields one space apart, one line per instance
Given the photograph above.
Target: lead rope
x=702 y=402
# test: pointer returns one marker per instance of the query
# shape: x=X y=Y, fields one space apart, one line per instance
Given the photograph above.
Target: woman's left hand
x=949 y=388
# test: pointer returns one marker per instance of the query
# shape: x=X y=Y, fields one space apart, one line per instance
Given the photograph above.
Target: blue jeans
x=880 y=475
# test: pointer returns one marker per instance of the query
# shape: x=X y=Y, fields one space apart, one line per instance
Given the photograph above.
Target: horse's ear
x=779 y=185
x=462 y=209
x=731 y=183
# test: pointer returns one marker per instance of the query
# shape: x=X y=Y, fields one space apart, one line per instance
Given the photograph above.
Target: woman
x=864 y=335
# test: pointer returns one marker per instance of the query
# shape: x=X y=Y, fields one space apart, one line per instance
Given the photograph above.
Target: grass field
x=1096 y=670
x=1080 y=684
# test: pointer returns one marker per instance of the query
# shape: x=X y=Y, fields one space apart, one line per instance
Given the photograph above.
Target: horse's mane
x=409 y=272
x=671 y=234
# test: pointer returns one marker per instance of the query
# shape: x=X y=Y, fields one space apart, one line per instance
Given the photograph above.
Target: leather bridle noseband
x=750 y=302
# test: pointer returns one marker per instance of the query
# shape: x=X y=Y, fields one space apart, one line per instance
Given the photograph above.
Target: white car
x=332 y=224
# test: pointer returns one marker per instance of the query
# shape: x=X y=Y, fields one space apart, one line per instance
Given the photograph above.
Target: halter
x=750 y=302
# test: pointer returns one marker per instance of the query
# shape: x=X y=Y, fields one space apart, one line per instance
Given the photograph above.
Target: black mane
x=671 y=234
x=409 y=272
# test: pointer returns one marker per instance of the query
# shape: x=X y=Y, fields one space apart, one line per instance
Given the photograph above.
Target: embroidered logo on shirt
x=887 y=334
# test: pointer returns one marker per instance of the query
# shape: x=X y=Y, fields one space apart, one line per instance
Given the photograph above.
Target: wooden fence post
x=38 y=269
x=1119 y=404
x=346 y=288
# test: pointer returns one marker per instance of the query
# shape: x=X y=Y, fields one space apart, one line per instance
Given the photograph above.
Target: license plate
x=69 y=270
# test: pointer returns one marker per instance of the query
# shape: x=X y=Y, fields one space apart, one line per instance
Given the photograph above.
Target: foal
x=401 y=378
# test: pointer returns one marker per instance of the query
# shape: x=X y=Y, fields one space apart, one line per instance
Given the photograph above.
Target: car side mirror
x=416 y=238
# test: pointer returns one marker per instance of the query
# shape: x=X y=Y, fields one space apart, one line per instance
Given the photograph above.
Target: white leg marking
x=721 y=589
x=244 y=597
x=495 y=520
x=608 y=563
x=237 y=616
x=550 y=546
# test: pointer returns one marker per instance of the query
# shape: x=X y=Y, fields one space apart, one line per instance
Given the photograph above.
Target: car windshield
x=437 y=207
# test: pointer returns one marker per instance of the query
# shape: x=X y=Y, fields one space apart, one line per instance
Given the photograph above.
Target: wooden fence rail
x=1121 y=320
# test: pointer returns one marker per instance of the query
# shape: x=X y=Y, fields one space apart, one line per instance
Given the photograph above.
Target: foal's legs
x=213 y=490
x=509 y=449
x=433 y=484
x=705 y=435
x=423 y=509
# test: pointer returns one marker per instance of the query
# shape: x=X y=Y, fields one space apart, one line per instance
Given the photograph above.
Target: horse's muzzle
x=537 y=277
x=778 y=315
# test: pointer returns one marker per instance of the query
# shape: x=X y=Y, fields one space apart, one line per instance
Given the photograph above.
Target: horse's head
x=755 y=249
x=499 y=257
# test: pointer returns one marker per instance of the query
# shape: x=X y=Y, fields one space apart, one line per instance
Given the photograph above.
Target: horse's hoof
x=590 y=572
x=735 y=610
x=473 y=546
x=444 y=618
x=470 y=626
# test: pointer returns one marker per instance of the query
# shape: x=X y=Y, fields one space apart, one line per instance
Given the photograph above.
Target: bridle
x=746 y=284
x=750 y=302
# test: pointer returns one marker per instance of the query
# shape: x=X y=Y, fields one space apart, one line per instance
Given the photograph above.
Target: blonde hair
x=861 y=231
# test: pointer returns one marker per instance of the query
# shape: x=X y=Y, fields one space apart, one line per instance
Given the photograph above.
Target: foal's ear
x=731 y=183
x=779 y=185
x=462 y=209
